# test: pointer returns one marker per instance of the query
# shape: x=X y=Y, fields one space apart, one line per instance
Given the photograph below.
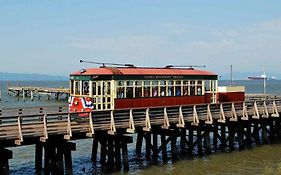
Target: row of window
x=137 y=89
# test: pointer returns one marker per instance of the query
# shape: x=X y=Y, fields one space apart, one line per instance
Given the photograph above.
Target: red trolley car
x=107 y=88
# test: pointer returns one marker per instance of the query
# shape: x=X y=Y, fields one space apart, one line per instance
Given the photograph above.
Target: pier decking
x=207 y=127
x=30 y=91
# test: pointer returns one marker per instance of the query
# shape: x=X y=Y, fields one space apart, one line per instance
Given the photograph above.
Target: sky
x=50 y=37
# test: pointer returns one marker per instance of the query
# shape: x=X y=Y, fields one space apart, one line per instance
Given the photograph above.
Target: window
x=192 y=87
x=163 y=88
x=199 y=87
x=85 y=88
x=171 y=90
x=129 y=89
x=147 y=89
x=120 y=89
x=178 y=88
x=138 y=89
x=77 y=88
x=155 y=89
x=185 y=88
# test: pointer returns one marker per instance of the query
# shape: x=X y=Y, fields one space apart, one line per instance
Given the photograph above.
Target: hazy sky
x=50 y=37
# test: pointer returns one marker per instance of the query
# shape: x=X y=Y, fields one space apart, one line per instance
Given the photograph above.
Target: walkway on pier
x=30 y=91
x=208 y=127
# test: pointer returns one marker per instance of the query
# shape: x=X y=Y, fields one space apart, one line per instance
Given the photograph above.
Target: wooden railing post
x=245 y=112
x=195 y=118
x=91 y=126
x=69 y=131
x=131 y=128
x=274 y=110
x=166 y=123
x=147 y=121
x=112 y=130
x=256 y=111
x=233 y=113
x=19 y=122
x=45 y=132
x=181 y=123
x=209 y=118
x=265 y=111
x=222 y=115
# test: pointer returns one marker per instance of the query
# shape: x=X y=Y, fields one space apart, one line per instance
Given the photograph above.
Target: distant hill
x=30 y=77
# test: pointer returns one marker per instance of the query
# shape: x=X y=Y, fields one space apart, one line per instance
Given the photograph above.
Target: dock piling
x=4 y=161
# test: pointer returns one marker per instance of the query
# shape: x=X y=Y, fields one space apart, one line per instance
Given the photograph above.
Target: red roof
x=141 y=71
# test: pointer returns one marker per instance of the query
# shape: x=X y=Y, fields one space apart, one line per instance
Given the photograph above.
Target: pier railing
x=28 y=123
x=51 y=128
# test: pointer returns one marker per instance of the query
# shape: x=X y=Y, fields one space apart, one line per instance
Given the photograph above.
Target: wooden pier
x=25 y=91
x=198 y=129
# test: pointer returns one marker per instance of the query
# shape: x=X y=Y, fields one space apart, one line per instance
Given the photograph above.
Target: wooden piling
x=199 y=141
x=183 y=140
x=207 y=140
x=155 y=146
x=265 y=137
x=59 y=160
x=249 y=134
x=47 y=167
x=94 y=150
x=103 y=151
x=4 y=161
x=38 y=158
x=223 y=137
x=256 y=132
x=110 y=161
x=125 y=155
x=139 y=142
x=164 y=147
x=240 y=134
x=117 y=153
x=148 y=145
x=190 y=140
x=231 y=135
x=215 y=136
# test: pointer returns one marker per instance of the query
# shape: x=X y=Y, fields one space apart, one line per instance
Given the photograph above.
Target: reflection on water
x=251 y=161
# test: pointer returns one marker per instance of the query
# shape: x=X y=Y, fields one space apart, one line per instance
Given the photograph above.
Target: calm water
x=252 y=161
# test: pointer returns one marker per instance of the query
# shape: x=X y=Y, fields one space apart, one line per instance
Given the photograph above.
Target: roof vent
x=82 y=71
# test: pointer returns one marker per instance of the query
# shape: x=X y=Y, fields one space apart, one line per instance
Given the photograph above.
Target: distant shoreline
x=30 y=77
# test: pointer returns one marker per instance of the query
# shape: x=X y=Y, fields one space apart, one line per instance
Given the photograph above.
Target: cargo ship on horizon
x=261 y=77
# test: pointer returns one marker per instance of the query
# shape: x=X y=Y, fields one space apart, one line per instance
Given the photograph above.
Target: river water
x=249 y=161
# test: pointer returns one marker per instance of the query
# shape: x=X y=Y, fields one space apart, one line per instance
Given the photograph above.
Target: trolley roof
x=142 y=71
x=136 y=73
